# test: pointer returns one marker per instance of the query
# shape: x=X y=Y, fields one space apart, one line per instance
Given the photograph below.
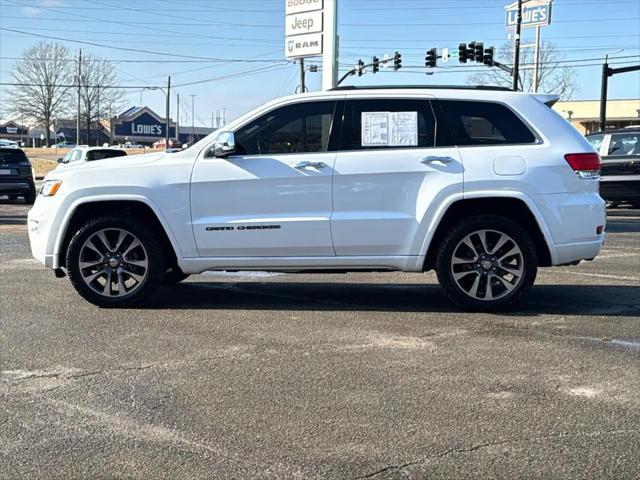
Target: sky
x=239 y=44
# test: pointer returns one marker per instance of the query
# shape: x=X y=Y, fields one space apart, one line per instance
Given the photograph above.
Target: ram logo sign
x=536 y=13
x=304 y=45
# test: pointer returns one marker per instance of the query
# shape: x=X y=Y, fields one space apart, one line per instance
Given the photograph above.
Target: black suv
x=16 y=175
x=620 y=152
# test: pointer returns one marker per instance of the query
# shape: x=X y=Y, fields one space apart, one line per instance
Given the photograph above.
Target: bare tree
x=553 y=76
x=99 y=92
x=43 y=76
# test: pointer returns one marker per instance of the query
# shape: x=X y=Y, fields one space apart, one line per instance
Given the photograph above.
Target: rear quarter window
x=102 y=154
x=484 y=123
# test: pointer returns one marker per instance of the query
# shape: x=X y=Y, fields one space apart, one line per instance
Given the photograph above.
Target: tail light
x=586 y=165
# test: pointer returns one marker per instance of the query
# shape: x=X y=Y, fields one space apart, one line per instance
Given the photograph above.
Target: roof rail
x=426 y=87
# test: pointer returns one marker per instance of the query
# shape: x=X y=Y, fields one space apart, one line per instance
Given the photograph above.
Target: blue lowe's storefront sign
x=535 y=13
x=142 y=125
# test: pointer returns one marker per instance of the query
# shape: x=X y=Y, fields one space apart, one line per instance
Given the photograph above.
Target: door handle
x=308 y=164
x=436 y=159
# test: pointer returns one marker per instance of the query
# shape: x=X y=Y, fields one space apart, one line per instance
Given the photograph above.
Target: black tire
x=174 y=276
x=156 y=257
x=30 y=197
x=496 y=225
x=12 y=197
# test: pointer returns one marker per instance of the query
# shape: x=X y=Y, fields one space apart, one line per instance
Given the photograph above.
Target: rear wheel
x=486 y=263
x=30 y=196
x=116 y=261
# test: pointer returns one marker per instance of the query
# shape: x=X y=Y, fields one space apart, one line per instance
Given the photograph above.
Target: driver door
x=272 y=197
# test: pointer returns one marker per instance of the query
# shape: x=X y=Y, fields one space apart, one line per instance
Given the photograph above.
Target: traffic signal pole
x=606 y=73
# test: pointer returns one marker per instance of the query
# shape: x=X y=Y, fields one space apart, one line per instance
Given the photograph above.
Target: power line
x=138 y=50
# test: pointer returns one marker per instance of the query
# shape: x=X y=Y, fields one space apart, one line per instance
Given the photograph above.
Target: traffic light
x=430 y=59
x=375 y=64
x=488 y=56
x=360 y=67
x=462 y=53
x=397 y=61
x=471 y=51
x=478 y=54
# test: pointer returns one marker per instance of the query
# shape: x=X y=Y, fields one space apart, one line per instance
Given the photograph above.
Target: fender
x=71 y=210
x=437 y=217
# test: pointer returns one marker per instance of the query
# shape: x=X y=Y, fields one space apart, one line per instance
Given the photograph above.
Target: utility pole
x=168 y=123
x=79 y=95
x=193 y=123
x=516 y=53
x=224 y=115
x=302 y=85
x=178 y=116
x=99 y=123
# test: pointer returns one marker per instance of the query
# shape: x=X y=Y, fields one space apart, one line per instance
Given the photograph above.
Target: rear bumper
x=573 y=220
x=16 y=186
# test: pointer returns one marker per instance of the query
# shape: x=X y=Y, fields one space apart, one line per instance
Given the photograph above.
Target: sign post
x=534 y=14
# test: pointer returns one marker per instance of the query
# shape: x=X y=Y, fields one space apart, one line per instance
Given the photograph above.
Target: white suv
x=481 y=184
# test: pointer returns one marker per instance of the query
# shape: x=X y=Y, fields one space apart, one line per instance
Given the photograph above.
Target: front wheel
x=486 y=263
x=116 y=261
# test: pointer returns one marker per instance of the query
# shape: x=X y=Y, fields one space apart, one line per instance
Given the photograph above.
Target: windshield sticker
x=389 y=129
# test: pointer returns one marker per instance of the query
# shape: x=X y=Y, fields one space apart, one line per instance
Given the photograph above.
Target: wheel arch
x=137 y=207
x=519 y=210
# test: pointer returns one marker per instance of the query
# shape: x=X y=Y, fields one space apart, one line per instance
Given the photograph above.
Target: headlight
x=50 y=187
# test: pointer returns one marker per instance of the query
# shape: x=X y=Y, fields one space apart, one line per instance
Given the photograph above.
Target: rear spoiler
x=548 y=99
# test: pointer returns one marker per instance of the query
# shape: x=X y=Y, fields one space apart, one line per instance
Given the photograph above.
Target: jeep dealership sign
x=303 y=28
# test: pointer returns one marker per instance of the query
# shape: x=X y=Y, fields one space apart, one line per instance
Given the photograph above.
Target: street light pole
x=168 y=98
x=193 y=114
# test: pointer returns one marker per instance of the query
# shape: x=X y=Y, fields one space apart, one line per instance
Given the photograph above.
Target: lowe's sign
x=535 y=13
x=142 y=125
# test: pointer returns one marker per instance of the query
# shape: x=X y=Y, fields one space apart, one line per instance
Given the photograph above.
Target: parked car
x=620 y=151
x=173 y=143
x=132 y=145
x=8 y=144
x=64 y=144
x=482 y=185
x=90 y=154
x=16 y=175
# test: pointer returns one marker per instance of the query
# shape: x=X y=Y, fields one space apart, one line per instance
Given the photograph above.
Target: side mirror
x=60 y=160
x=224 y=145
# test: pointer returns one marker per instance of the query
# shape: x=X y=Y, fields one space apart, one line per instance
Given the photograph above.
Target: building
x=143 y=125
x=585 y=114
x=11 y=130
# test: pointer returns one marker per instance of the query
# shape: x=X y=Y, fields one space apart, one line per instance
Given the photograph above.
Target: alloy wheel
x=487 y=265
x=113 y=262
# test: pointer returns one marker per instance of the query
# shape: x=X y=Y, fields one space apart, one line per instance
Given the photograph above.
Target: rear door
x=623 y=155
x=389 y=175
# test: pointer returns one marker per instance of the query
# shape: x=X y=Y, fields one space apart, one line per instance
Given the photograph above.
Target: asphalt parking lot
x=335 y=376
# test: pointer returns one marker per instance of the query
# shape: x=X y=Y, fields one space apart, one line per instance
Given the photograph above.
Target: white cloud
x=35 y=11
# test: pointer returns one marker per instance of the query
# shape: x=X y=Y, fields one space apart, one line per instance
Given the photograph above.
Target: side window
x=388 y=123
x=75 y=155
x=624 y=144
x=102 y=154
x=484 y=123
x=297 y=128
x=596 y=141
